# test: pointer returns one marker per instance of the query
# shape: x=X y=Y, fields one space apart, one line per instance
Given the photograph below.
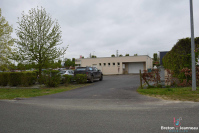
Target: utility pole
x=192 y=47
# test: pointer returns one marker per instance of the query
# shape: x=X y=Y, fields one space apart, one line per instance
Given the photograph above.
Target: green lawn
x=182 y=94
x=6 y=93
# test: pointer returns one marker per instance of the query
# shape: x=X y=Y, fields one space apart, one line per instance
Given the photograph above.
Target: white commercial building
x=118 y=65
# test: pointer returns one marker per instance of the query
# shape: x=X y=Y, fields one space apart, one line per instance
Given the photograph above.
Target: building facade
x=118 y=65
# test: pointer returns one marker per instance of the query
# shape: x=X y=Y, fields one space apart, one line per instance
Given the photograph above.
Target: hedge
x=4 y=78
x=180 y=56
x=51 y=78
x=17 y=78
x=81 y=78
x=68 y=78
x=28 y=78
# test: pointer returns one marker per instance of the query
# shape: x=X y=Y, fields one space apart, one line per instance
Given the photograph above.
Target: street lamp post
x=192 y=48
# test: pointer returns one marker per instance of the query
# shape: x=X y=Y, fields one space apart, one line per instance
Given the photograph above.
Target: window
x=118 y=63
x=95 y=69
x=113 y=63
x=99 y=64
x=108 y=64
x=104 y=64
x=90 y=69
x=81 y=69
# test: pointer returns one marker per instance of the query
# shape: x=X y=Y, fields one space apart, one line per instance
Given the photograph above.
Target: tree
x=39 y=37
x=20 y=66
x=120 y=55
x=6 y=42
x=112 y=55
x=155 y=60
x=73 y=62
x=135 y=54
x=12 y=66
x=68 y=63
x=127 y=55
x=94 y=56
x=155 y=57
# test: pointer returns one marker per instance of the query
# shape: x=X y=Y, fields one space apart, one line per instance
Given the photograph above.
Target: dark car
x=91 y=72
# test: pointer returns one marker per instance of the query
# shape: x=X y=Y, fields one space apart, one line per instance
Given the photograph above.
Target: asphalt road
x=108 y=106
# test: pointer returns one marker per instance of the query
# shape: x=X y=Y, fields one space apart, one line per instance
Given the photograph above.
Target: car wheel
x=101 y=78
x=92 y=79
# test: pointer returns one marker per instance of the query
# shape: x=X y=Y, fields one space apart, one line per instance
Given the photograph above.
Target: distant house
x=118 y=65
x=162 y=54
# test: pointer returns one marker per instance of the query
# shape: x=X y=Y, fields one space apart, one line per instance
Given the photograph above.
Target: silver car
x=67 y=72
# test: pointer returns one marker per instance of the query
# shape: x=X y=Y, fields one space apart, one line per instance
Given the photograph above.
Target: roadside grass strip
x=18 y=93
x=181 y=94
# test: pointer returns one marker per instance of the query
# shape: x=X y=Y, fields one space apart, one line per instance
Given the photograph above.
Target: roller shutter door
x=135 y=67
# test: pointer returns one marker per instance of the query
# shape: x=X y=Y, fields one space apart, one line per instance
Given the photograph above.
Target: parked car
x=91 y=72
x=67 y=72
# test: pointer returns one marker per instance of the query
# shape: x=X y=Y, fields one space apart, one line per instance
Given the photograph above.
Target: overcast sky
x=101 y=27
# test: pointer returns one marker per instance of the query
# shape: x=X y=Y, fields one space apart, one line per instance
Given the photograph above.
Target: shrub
x=67 y=79
x=180 y=56
x=15 y=78
x=28 y=78
x=4 y=78
x=81 y=78
x=186 y=77
x=52 y=78
x=153 y=76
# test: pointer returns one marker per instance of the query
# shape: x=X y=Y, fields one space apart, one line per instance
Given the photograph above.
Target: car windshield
x=71 y=72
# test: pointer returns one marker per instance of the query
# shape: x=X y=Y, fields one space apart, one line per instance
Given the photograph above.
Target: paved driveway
x=112 y=87
x=108 y=106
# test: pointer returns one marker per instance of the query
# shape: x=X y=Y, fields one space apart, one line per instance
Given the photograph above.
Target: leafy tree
x=73 y=62
x=21 y=66
x=12 y=66
x=120 y=55
x=127 y=55
x=155 y=57
x=155 y=60
x=39 y=37
x=112 y=55
x=68 y=63
x=94 y=56
x=135 y=54
x=6 y=42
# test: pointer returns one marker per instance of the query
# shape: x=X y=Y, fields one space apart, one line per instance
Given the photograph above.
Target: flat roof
x=115 y=57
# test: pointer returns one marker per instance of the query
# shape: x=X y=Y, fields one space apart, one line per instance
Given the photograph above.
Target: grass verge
x=182 y=94
x=6 y=93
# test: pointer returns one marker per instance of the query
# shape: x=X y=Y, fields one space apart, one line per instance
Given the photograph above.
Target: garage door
x=135 y=67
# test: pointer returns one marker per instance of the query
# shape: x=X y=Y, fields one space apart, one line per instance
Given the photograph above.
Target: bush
x=67 y=79
x=180 y=56
x=153 y=77
x=52 y=78
x=15 y=78
x=81 y=78
x=4 y=78
x=28 y=78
